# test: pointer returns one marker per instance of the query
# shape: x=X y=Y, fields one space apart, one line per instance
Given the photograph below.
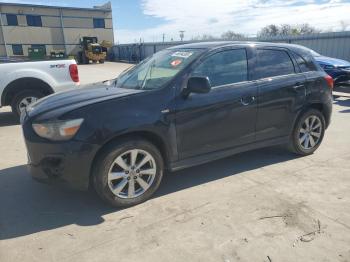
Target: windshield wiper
x=148 y=72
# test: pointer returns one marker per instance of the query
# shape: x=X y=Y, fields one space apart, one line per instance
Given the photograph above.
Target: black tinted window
x=223 y=68
x=99 y=23
x=17 y=49
x=12 y=19
x=304 y=65
x=34 y=20
x=273 y=63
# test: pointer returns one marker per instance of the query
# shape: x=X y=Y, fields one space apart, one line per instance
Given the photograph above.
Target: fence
x=335 y=44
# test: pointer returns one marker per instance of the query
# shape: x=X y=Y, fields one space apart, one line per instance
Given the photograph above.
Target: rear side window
x=304 y=65
x=272 y=63
x=226 y=67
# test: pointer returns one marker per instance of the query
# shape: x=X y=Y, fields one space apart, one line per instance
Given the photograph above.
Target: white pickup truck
x=22 y=83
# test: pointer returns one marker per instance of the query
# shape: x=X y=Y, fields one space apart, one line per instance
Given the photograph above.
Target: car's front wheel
x=308 y=132
x=128 y=173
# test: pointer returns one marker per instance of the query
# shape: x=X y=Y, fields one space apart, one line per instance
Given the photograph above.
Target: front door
x=223 y=118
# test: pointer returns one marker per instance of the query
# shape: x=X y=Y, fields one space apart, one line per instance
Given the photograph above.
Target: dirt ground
x=263 y=205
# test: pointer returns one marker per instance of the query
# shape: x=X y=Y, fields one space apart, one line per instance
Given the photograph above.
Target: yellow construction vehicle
x=92 y=50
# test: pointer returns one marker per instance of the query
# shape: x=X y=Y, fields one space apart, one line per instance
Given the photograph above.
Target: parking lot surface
x=263 y=205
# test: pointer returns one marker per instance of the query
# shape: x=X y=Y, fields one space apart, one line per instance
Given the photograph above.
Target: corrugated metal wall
x=335 y=44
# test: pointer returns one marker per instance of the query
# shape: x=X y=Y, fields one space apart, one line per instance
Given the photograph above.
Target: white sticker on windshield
x=182 y=54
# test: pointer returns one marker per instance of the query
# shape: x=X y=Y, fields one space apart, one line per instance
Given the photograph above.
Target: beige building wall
x=76 y=22
x=30 y=10
x=33 y=35
x=85 y=13
x=2 y=50
x=51 y=21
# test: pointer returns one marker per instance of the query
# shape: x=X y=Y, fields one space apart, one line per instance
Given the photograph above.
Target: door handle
x=247 y=100
x=297 y=86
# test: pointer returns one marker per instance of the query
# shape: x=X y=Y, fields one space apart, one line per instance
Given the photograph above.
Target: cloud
x=199 y=17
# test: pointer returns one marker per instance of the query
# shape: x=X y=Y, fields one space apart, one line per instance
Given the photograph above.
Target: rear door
x=281 y=92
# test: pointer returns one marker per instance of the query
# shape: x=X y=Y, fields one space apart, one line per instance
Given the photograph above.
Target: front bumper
x=65 y=163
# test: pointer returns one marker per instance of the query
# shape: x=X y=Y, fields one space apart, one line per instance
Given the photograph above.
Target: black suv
x=183 y=106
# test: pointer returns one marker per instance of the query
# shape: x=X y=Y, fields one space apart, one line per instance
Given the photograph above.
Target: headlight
x=58 y=130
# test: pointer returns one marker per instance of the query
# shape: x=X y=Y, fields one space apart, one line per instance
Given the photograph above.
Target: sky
x=149 y=20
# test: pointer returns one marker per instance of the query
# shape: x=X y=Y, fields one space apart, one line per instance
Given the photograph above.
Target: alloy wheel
x=26 y=102
x=132 y=173
x=310 y=132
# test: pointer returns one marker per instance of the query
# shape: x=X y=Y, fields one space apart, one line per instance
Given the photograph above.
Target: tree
x=230 y=35
x=307 y=29
x=287 y=29
x=270 y=30
x=204 y=37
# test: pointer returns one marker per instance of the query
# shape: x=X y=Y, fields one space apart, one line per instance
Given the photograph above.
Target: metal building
x=51 y=27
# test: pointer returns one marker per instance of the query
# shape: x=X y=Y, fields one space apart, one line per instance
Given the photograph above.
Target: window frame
x=291 y=57
x=307 y=62
x=14 y=16
x=35 y=20
x=221 y=50
x=96 y=22
x=17 y=53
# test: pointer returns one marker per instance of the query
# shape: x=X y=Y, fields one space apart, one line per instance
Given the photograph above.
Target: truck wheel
x=80 y=58
x=102 y=61
x=128 y=173
x=84 y=59
x=308 y=133
x=23 y=99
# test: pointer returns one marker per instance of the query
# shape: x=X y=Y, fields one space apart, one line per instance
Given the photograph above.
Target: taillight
x=74 y=74
x=330 y=81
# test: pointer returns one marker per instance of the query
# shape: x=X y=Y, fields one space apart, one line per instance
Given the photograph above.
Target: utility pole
x=163 y=37
x=182 y=35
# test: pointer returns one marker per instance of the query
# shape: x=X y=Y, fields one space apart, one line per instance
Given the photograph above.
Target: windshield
x=157 y=70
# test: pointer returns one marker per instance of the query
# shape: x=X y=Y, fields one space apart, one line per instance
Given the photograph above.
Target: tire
x=17 y=102
x=84 y=59
x=102 y=61
x=80 y=58
x=300 y=141
x=106 y=164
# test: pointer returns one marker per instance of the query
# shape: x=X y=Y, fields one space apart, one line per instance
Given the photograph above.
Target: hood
x=73 y=99
x=331 y=61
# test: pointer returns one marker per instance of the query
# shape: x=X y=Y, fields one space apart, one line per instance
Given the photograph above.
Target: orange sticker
x=176 y=62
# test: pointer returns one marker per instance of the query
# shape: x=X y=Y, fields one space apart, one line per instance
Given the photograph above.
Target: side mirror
x=198 y=84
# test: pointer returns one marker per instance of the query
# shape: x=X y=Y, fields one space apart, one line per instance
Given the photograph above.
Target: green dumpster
x=36 y=53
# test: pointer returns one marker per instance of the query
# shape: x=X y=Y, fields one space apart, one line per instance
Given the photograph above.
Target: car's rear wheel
x=308 y=133
x=128 y=173
x=24 y=99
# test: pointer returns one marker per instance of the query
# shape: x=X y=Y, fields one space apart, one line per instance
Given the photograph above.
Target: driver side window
x=226 y=67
